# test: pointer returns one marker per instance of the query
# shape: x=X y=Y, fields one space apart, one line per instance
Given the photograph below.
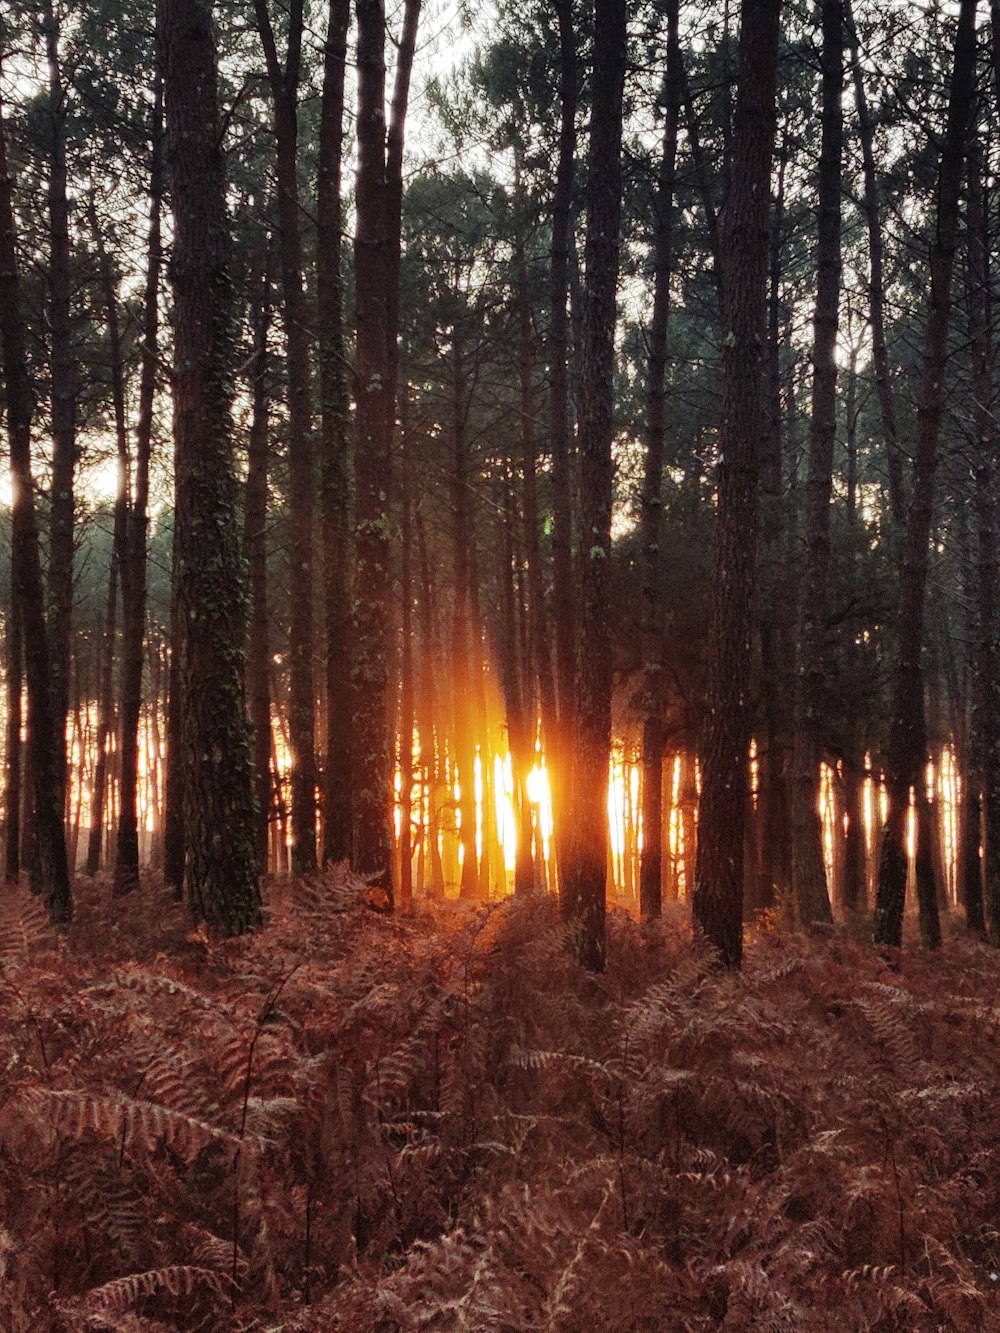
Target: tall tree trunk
x=583 y=884
x=255 y=554
x=221 y=869
x=284 y=81
x=651 y=866
x=106 y=706
x=812 y=902
x=985 y=777
x=407 y=707
x=49 y=869
x=14 y=658
x=718 y=890
x=377 y=247
x=907 y=737
x=541 y=658
x=133 y=561
x=559 y=747
x=335 y=442
x=63 y=392
x=876 y=278
x=430 y=745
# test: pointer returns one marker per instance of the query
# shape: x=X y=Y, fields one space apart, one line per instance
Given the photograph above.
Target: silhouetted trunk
x=651 y=867
x=812 y=903
x=49 y=869
x=559 y=747
x=335 y=442
x=173 y=814
x=14 y=659
x=255 y=554
x=376 y=293
x=133 y=562
x=583 y=883
x=986 y=663
x=430 y=746
x=221 y=870
x=718 y=890
x=106 y=702
x=63 y=394
x=407 y=707
x=518 y=731
x=538 y=618
x=907 y=751
x=876 y=279
x=284 y=81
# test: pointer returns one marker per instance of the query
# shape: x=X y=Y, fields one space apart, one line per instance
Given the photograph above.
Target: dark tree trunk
x=876 y=279
x=718 y=891
x=255 y=554
x=651 y=867
x=133 y=560
x=376 y=293
x=63 y=393
x=583 y=884
x=559 y=746
x=221 y=869
x=284 y=81
x=106 y=704
x=812 y=903
x=14 y=658
x=335 y=443
x=538 y=618
x=986 y=665
x=907 y=750
x=173 y=815
x=407 y=707
x=430 y=746
x=49 y=869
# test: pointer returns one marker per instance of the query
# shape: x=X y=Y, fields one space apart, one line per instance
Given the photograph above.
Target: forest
x=500 y=645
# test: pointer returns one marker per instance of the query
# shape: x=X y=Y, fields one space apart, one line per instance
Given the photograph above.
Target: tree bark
x=377 y=246
x=221 y=868
x=49 y=868
x=812 y=902
x=907 y=737
x=985 y=777
x=133 y=559
x=284 y=81
x=876 y=279
x=13 y=755
x=255 y=554
x=584 y=881
x=63 y=395
x=335 y=442
x=718 y=891
x=651 y=865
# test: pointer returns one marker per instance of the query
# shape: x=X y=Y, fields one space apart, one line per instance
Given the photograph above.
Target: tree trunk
x=986 y=667
x=559 y=746
x=335 y=443
x=49 y=869
x=14 y=658
x=718 y=891
x=812 y=903
x=284 y=81
x=133 y=561
x=255 y=554
x=876 y=279
x=63 y=392
x=907 y=737
x=651 y=867
x=584 y=881
x=221 y=868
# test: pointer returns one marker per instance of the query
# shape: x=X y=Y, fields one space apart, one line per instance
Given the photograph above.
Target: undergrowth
x=356 y=1122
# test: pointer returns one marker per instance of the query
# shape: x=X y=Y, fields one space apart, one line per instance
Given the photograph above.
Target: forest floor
x=350 y=1121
